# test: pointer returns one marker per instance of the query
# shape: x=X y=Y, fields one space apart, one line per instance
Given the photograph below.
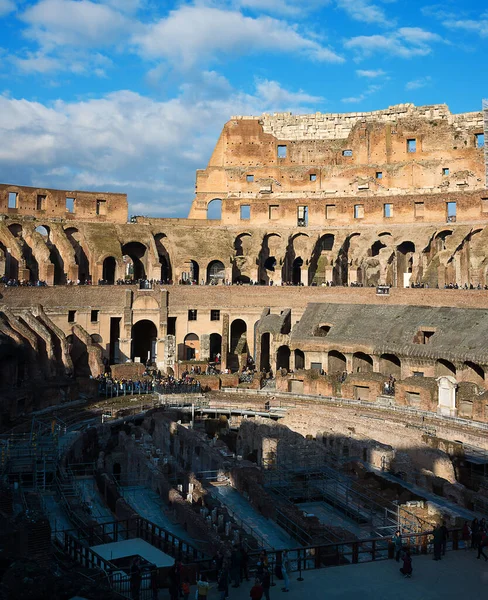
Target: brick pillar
x=225 y=340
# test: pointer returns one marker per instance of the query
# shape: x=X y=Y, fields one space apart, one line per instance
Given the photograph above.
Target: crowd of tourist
x=149 y=383
x=7 y=282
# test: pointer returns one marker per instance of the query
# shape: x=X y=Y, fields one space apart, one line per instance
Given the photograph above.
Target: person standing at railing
x=285 y=569
x=437 y=542
x=398 y=543
x=445 y=537
x=266 y=581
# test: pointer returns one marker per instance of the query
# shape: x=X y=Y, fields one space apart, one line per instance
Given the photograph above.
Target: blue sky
x=130 y=95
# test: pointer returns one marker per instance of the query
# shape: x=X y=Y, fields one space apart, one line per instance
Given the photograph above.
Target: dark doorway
x=283 y=358
x=108 y=271
x=144 y=335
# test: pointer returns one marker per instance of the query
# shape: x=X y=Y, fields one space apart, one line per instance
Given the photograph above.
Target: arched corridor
x=144 y=338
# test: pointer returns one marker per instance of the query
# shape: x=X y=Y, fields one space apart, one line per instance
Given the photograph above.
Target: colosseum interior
x=300 y=364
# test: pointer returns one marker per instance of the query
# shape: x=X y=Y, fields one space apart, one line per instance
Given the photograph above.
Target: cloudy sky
x=130 y=95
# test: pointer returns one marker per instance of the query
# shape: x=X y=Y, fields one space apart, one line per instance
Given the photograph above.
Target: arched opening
x=336 y=362
x=16 y=230
x=96 y=338
x=362 y=363
x=215 y=272
x=444 y=368
x=242 y=244
x=81 y=258
x=214 y=209
x=241 y=268
x=264 y=364
x=215 y=346
x=474 y=372
x=320 y=269
x=164 y=259
x=299 y=359
x=376 y=247
x=238 y=344
x=390 y=365
x=136 y=252
x=322 y=331
x=44 y=231
x=440 y=240
x=283 y=358
x=11 y=268
x=267 y=257
x=297 y=271
x=54 y=256
x=108 y=270
x=191 y=347
x=144 y=337
x=405 y=254
x=194 y=271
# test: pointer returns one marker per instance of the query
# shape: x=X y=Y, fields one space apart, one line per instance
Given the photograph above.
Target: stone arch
x=214 y=209
x=444 y=367
x=215 y=345
x=320 y=270
x=362 y=363
x=268 y=258
x=473 y=372
x=243 y=263
x=238 y=348
x=109 y=267
x=342 y=263
x=137 y=252
x=54 y=255
x=11 y=269
x=336 y=362
x=15 y=229
x=264 y=359
x=322 y=330
x=283 y=358
x=390 y=364
x=299 y=359
x=160 y=240
x=294 y=259
x=191 y=347
x=96 y=338
x=215 y=272
x=81 y=258
x=405 y=253
x=144 y=336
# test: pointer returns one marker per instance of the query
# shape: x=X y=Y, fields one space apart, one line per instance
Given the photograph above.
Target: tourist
x=256 y=590
x=223 y=584
x=406 y=570
x=235 y=566
x=285 y=569
x=437 y=542
x=398 y=543
x=244 y=564
x=483 y=542
x=203 y=587
x=445 y=537
x=266 y=581
x=466 y=535
x=475 y=527
x=135 y=578
x=185 y=589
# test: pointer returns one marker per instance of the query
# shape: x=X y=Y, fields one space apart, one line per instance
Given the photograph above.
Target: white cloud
x=479 y=26
x=371 y=89
x=371 y=73
x=127 y=142
x=364 y=11
x=294 y=8
x=6 y=7
x=82 y=23
x=194 y=34
x=405 y=42
x=416 y=84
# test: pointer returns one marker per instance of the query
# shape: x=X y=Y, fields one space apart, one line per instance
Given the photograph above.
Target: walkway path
x=270 y=533
x=458 y=576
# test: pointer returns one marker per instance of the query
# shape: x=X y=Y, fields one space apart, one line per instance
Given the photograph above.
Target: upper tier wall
x=42 y=203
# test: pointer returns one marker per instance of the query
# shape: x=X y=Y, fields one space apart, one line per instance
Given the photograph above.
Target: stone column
x=225 y=340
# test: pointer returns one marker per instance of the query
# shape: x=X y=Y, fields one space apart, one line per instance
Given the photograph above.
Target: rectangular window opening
x=379 y=175
x=451 y=212
x=13 y=198
x=411 y=145
x=192 y=314
x=70 y=205
x=101 y=207
x=274 y=211
x=249 y=178
x=358 y=211
x=479 y=139
x=419 y=209
x=347 y=153
x=171 y=325
x=418 y=373
x=484 y=205
x=215 y=315
x=71 y=316
x=245 y=212
x=330 y=211
x=282 y=151
x=445 y=171
x=41 y=202
x=94 y=316
x=302 y=216
x=388 y=211
x=313 y=177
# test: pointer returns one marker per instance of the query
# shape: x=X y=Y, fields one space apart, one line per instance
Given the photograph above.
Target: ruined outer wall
x=315 y=166
x=44 y=203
